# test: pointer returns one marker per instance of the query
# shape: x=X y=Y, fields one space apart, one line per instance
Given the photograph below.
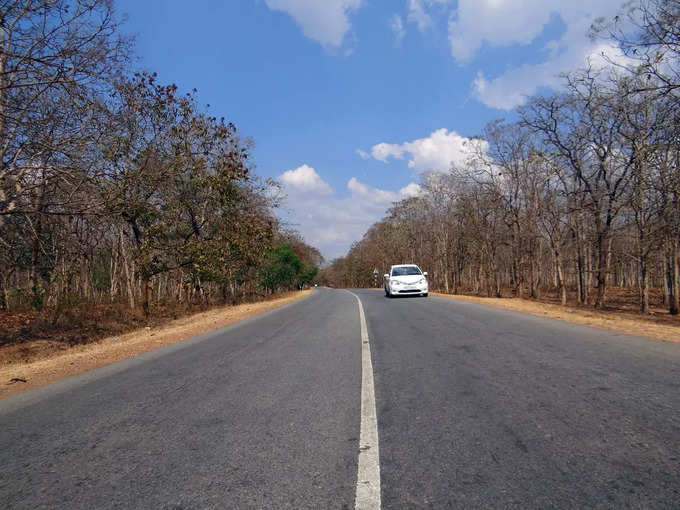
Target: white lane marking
x=368 y=476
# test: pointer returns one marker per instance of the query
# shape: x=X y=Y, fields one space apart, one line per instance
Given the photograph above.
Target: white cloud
x=504 y=23
x=332 y=222
x=397 y=27
x=326 y=22
x=438 y=152
x=383 y=151
x=418 y=12
x=305 y=179
x=354 y=186
x=418 y=15
x=410 y=190
x=497 y=22
x=380 y=196
x=512 y=88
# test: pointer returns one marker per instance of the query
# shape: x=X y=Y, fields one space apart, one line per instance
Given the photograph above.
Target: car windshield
x=405 y=271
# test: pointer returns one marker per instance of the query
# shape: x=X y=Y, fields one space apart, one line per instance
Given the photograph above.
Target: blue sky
x=349 y=102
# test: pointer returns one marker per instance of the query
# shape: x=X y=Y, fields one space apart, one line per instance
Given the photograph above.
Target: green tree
x=282 y=270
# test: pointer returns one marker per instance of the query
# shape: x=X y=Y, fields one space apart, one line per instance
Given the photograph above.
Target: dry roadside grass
x=659 y=326
x=53 y=364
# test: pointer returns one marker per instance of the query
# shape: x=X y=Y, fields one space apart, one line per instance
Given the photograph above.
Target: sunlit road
x=476 y=408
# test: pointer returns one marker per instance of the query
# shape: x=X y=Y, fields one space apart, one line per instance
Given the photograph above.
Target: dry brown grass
x=658 y=325
x=41 y=362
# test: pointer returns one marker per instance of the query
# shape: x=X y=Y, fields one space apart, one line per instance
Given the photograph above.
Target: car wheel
x=425 y=294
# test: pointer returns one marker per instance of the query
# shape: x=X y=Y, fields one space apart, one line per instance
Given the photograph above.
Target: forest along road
x=477 y=407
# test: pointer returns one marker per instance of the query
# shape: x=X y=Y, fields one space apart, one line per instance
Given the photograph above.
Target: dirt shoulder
x=19 y=376
x=658 y=326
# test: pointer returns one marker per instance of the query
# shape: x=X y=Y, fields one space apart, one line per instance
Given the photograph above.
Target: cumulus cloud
x=436 y=153
x=498 y=23
x=332 y=222
x=326 y=22
x=397 y=27
x=305 y=178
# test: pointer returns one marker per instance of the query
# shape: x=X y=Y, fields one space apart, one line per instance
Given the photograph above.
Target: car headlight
x=395 y=282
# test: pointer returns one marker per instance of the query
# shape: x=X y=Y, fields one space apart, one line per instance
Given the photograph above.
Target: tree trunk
x=588 y=270
x=581 y=283
x=603 y=258
x=664 y=281
x=644 y=286
x=559 y=273
x=672 y=271
x=113 y=272
x=129 y=282
x=4 y=298
x=37 y=298
x=145 y=293
x=532 y=278
x=519 y=279
x=580 y=280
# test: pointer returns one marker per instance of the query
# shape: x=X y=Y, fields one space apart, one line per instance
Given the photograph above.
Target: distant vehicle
x=405 y=279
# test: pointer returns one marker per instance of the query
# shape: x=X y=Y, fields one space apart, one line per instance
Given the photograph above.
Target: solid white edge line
x=368 y=473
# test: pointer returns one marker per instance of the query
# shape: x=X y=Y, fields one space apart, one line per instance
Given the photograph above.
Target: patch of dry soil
x=18 y=377
x=658 y=327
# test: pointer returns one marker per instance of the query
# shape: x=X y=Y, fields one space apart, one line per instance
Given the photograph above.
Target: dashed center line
x=368 y=475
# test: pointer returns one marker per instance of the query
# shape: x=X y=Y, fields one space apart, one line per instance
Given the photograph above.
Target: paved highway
x=476 y=408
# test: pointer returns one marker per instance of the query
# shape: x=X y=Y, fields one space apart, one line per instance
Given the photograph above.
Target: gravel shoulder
x=19 y=377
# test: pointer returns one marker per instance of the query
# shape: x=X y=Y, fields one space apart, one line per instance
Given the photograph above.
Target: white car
x=405 y=279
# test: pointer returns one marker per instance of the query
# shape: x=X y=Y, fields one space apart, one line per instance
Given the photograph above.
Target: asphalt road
x=476 y=407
